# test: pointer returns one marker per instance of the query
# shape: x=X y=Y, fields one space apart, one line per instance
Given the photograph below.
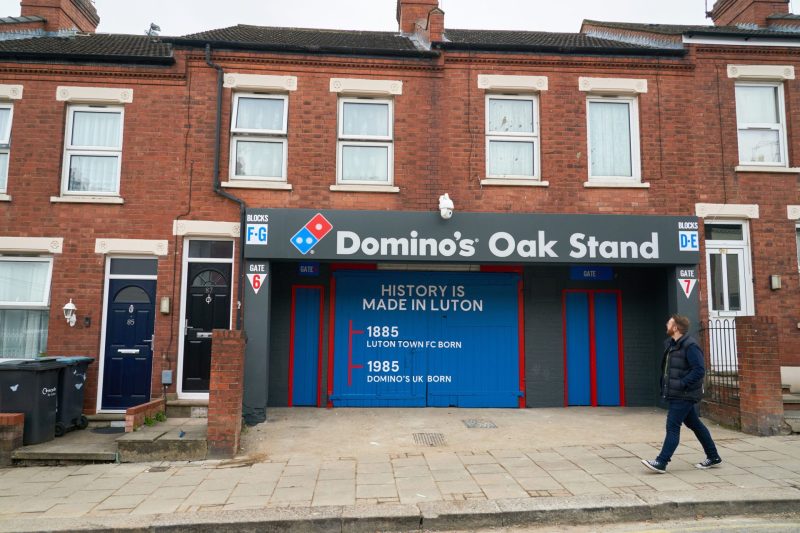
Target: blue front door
x=129 y=343
x=306 y=345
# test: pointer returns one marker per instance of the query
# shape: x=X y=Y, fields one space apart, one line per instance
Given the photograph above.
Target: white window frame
x=533 y=137
x=633 y=118
x=5 y=144
x=743 y=247
x=44 y=304
x=784 y=162
x=71 y=150
x=368 y=140
x=797 y=243
x=258 y=135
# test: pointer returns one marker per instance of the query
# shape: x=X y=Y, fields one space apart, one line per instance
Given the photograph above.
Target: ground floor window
x=24 y=305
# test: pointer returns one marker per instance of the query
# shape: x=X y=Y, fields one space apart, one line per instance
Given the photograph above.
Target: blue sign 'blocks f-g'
x=414 y=339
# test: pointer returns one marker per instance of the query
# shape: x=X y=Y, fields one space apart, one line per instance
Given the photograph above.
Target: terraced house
x=425 y=217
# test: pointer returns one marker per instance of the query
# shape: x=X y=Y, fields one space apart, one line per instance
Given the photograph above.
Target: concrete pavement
x=366 y=470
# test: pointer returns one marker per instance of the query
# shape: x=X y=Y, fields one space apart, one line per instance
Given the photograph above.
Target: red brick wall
x=225 y=396
x=63 y=14
x=760 y=402
x=730 y=12
x=11 y=430
x=411 y=11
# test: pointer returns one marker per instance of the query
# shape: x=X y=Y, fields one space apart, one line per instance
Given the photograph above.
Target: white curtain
x=259 y=159
x=756 y=105
x=5 y=124
x=610 y=139
x=23 y=281
x=365 y=163
x=96 y=129
x=510 y=158
x=93 y=173
x=510 y=116
x=3 y=171
x=365 y=120
x=23 y=333
x=260 y=114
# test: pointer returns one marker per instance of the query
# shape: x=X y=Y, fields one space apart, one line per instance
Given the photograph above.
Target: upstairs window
x=93 y=150
x=6 y=115
x=512 y=137
x=258 y=137
x=365 y=149
x=760 y=124
x=613 y=134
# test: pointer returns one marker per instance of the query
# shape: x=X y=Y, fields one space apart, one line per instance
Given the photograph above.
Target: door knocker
x=130 y=309
x=209 y=299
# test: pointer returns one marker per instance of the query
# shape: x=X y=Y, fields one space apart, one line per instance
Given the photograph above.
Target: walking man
x=682 y=372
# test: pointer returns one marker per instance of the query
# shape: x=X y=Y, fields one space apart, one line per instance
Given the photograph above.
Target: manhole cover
x=158 y=469
x=108 y=430
x=473 y=423
x=429 y=439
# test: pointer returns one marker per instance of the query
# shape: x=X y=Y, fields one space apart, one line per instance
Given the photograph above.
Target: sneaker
x=708 y=463
x=655 y=465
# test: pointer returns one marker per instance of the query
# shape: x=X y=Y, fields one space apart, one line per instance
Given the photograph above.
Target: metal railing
x=718 y=338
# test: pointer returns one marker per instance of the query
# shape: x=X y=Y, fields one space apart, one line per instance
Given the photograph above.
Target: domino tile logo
x=310 y=234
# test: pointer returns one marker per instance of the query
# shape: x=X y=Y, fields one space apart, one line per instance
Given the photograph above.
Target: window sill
x=365 y=188
x=256 y=184
x=86 y=200
x=515 y=182
x=767 y=170
x=5 y=198
x=616 y=185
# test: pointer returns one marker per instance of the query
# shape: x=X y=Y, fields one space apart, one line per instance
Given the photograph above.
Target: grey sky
x=179 y=17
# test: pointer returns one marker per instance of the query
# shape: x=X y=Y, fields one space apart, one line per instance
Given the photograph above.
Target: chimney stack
x=421 y=17
x=61 y=15
x=734 y=12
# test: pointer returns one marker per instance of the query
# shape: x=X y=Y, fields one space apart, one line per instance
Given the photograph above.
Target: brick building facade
x=122 y=194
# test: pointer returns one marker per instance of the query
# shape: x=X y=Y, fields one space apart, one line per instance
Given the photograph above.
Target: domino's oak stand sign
x=408 y=236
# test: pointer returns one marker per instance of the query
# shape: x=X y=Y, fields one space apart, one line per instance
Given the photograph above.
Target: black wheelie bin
x=30 y=387
x=71 y=381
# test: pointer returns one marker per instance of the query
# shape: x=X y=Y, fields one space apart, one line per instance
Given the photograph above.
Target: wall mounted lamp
x=69 y=313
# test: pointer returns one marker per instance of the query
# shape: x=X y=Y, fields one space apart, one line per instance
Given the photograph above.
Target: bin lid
x=32 y=365
x=73 y=359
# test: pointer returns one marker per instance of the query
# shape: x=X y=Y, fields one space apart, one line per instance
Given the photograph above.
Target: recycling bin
x=30 y=387
x=71 y=381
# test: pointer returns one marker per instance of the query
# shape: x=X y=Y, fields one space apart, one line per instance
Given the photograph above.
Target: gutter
x=225 y=194
x=302 y=49
x=89 y=58
x=559 y=49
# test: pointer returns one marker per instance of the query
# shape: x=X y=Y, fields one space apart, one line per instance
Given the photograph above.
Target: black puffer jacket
x=682 y=370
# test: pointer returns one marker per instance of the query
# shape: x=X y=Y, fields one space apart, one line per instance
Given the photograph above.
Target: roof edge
x=338 y=50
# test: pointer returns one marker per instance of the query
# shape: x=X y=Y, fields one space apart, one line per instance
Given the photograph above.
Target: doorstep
x=176 y=439
x=187 y=408
x=91 y=445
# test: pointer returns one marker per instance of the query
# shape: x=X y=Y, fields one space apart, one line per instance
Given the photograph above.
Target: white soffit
x=612 y=85
x=10 y=92
x=726 y=210
x=260 y=82
x=130 y=246
x=46 y=245
x=761 y=72
x=366 y=87
x=493 y=82
x=205 y=228
x=94 y=95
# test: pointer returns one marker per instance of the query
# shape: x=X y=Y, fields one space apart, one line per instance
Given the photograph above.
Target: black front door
x=129 y=343
x=208 y=307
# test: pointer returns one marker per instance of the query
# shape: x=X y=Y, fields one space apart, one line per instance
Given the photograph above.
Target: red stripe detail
x=319 y=349
x=564 y=339
x=621 y=351
x=350 y=365
x=592 y=352
x=502 y=268
x=353 y=266
x=331 y=323
x=521 y=326
x=291 y=346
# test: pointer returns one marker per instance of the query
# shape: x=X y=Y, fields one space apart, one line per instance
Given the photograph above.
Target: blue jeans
x=685 y=412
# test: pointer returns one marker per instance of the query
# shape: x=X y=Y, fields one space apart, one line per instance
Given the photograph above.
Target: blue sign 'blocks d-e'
x=413 y=339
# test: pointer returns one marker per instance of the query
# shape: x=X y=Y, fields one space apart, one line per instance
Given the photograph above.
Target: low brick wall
x=134 y=416
x=760 y=399
x=11 y=428
x=226 y=391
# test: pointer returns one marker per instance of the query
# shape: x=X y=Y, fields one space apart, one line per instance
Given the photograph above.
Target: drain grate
x=158 y=469
x=108 y=430
x=429 y=439
x=474 y=423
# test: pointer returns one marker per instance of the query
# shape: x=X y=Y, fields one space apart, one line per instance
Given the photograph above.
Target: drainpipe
x=225 y=194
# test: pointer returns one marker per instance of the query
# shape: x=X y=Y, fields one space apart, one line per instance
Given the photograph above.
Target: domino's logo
x=310 y=234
